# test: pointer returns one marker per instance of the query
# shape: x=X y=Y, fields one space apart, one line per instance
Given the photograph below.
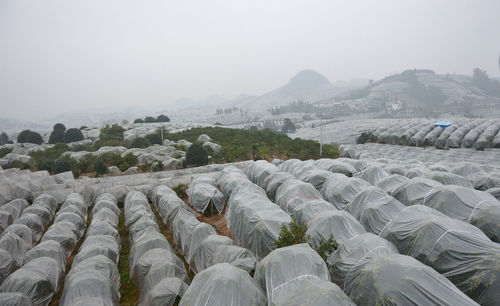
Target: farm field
x=426 y=217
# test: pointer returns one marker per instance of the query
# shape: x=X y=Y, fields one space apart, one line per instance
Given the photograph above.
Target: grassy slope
x=240 y=144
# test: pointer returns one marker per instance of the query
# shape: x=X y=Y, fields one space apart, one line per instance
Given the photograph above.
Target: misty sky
x=60 y=55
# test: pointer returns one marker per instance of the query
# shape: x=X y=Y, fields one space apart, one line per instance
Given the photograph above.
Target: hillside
x=307 y=85
x=423 y=87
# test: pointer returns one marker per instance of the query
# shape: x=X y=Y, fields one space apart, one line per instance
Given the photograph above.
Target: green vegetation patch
x=240 y=145
x=5 y=151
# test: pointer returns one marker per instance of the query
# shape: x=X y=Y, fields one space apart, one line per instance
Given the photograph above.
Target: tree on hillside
x=56 y=136
x=114 y=132
x=149 y=119
x=28 y=136
x=153 y=138
x=72 y=135
x=138 y=120
x=288 y=126
x=162 y=118
x=196 y=155
x=4 y=138
x=140 y=142
x=100 y=167
x=59 y=127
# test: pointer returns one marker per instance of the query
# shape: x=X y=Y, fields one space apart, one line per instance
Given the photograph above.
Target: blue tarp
x=443 y=124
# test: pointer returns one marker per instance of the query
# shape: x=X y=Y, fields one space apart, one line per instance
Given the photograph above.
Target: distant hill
x=307 y=85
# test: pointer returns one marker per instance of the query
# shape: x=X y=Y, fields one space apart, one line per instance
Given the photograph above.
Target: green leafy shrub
x=57 y=136
x=72 y=135
x=59 y=127
x=162 y=118
x=363 y=138
x=76 y=172
x=62 y=165
x=149 y=119
x=108 y=143
x=100 y=167
x=154 y=138
x=138 y=120
x=17 y=164
x=124 y=166
x=157 y=166
x=130 y=159
x=114 y=132
x=5 y=151
x=48 y=165
x=196 y=155
x=145 y=167
x=82 y=147
x=237 y=144
x=111 y=159
x=294 y=233
x=46 y=158
x=181 y=190
x=326 y=247
x=86 y=163
x=140 y=142
x=28 y=136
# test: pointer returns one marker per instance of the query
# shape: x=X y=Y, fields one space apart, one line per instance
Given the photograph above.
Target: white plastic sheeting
x=254 y=221
x=371 y=272
x=152 y=260
x=223 y=285
x=203 y=195
x=476 y=207
x=284 y=271
x=94 y=274
x=456 y=249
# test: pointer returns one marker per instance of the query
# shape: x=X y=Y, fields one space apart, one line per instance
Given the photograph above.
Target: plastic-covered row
x=29 y=223
x=43 y=271
x=476 y=207
x=204 y=195
x=255 y=222
x=371 y=272
x=375 y=209
x=152 y=261
x=94 y=274
x=302 y=201
x=285 y=272
x=221 y=268
x=458 y=250
x=203 y=241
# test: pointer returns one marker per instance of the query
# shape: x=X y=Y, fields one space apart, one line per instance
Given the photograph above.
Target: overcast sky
x=60 y=55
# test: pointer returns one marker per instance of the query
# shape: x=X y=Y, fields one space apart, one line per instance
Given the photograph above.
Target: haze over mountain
x=67 y=56
x=306 y=85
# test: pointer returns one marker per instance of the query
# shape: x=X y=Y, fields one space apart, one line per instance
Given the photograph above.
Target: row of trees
x=149 y=119
x=54 y=162
x=60 y=134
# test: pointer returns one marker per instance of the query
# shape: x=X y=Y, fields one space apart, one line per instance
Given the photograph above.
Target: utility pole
x=321 y=136
x=161 y=129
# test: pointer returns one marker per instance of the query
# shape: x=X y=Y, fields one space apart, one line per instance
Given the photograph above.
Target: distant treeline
x=149 y=119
